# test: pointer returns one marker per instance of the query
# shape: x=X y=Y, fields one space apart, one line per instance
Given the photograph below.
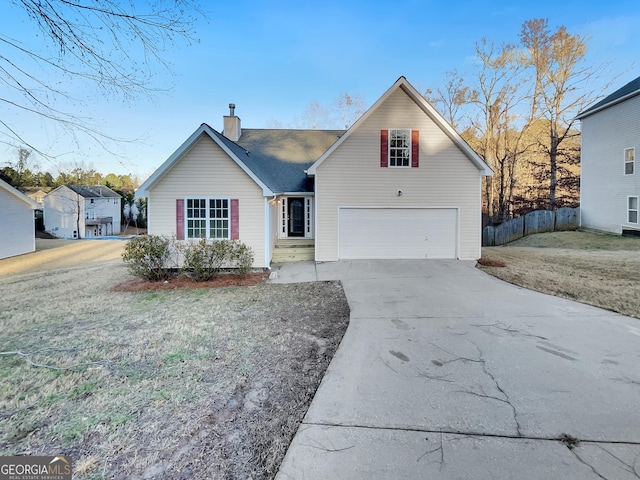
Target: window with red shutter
x=399 y=148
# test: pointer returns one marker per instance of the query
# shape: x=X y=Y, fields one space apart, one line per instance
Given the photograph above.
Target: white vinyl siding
x=206 y=171
x=18 y=231
x=352 y=176
x=62 y=220
x=604 y=186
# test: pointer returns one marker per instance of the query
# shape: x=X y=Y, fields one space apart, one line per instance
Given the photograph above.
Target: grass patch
x=204 y=383
x=596 y=269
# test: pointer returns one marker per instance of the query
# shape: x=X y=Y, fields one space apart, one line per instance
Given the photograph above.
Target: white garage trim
x=398 y=232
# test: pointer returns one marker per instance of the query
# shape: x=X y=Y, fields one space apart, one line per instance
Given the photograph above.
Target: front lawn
x=195 y=383
x=600 y=270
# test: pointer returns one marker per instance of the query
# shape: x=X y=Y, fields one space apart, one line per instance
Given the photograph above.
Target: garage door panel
x=397 y=233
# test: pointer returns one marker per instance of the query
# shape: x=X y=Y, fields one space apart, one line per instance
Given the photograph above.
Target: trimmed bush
x=151 y=257
x=147 y=256
x=203 y=260
x=241 y=255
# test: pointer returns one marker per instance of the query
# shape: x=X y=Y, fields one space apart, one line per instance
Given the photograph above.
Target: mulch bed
x=184 y=282
x=485 y=262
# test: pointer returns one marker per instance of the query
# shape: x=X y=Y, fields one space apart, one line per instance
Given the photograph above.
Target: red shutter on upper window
x=180 y=219
x=235 y=219
x=415 y=148
x=384 y=148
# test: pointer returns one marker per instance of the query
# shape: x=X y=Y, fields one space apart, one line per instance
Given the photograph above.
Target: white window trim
x=637 y=209
x=633 y=162
x=389 y=148
x=207 y=218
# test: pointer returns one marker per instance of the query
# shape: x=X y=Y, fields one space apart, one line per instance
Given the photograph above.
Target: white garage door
x=396 y=233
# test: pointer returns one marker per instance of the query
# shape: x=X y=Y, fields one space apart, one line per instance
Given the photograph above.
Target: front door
x=296 y=216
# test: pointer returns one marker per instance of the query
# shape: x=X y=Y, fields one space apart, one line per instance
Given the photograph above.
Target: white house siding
x=352 y=176
x=16 y=226
x=604 y=187
x=61 y=213
x=207 y=171
x=102 y=207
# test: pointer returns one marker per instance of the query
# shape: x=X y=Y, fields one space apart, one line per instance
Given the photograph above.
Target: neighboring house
x=400 y=183
x=17 y=228
x=36 y=194
x=82 y=211
x=610 y=176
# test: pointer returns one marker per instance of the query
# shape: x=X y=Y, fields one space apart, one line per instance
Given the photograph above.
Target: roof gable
x=412 y=93
x=235 y=152
x=276 y=159
x=18 y=194
x=631 y=89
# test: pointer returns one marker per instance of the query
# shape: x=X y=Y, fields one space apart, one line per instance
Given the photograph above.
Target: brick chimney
x=232 y=124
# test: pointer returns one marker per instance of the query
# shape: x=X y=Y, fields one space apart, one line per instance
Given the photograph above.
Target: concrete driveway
x=448 y=373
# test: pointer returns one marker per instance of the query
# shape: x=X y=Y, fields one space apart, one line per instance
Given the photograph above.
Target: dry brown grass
x=599 y=270
x=196 y=383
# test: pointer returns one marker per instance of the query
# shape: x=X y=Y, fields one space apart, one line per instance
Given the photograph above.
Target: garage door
x=395 y=233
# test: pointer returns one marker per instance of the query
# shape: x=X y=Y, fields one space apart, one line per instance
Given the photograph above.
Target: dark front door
x=296 y=217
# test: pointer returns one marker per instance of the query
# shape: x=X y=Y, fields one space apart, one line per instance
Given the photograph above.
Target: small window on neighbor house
x=632 y=209
x=629 y=161
x=399 y=148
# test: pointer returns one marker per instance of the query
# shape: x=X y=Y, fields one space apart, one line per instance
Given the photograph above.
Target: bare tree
x=498 y=126
x=112 y=45
x=349 y=108
x=450 y=99
x=561 y=91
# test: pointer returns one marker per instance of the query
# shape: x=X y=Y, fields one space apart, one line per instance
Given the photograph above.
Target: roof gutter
x=588 y=112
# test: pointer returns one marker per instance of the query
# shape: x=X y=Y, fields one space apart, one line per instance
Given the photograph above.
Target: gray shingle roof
x=279 y=157
x=631 y=88
x=93 y=191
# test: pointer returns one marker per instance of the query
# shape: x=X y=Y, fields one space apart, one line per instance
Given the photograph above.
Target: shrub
x=203 y=260
x=241 y=256
x=147 y=256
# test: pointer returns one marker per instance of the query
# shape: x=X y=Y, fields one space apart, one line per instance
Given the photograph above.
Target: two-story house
x=610 y=176
x=82 y=211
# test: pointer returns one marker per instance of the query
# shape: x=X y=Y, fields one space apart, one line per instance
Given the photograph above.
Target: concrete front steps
x=293 y=250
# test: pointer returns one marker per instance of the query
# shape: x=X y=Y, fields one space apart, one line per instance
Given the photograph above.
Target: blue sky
x=272 y=58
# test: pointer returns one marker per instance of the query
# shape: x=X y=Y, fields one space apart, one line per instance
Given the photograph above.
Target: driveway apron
x=446 y=372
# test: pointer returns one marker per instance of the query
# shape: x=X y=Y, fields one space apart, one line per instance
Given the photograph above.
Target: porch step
x=293 y=251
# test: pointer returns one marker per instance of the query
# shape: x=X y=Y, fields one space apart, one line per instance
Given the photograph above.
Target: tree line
x=516 y=107
x=21 y=174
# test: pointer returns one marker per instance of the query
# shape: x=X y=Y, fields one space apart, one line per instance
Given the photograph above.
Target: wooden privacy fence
x=538 y=221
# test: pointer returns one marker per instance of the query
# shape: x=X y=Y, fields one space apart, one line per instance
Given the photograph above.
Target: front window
x=632 y=209
x=629 y=161
x=399 y=148
x=208 y=218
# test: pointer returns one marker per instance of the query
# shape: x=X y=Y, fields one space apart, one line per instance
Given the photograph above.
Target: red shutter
x=235 y=219
x=180 y=219
x=415 y=148
x=384 y=148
